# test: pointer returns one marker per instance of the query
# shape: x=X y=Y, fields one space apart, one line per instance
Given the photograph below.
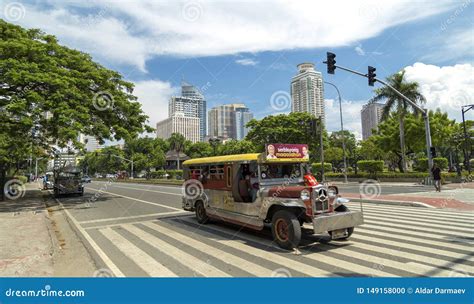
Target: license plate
x=337 y=234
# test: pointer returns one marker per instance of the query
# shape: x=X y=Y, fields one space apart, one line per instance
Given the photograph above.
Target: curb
x=390 y=202
x=96 y=257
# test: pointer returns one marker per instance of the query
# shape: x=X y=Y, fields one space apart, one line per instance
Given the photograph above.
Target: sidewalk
x=36 y=240
x=26 y=246
x=459 y=197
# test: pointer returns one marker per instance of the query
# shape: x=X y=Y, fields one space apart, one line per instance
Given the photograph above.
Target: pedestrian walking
x=436 y=177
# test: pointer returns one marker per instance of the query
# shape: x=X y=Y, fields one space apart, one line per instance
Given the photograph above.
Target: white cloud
x=447 y=87
x=350 y=115
x=359 y=50
x=154 y=96
x=246 y=61
x=452 y=45
x=126 y=32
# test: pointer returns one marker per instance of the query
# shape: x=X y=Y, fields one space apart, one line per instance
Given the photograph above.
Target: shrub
x=157 y=174
x=316 y=167
x=21 y=178
x=421 y=164
x=175 y=174
x=370 y=166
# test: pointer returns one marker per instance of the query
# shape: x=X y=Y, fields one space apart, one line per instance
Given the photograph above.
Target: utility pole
x=342 y=130
x=331 y=65
x=467 y=149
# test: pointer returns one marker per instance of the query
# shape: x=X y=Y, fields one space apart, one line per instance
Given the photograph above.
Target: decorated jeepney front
x=270 y=187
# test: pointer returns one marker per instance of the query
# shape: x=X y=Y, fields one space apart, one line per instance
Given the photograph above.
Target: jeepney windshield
x=280 y=171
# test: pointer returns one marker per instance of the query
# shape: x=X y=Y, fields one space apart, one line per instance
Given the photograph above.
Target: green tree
x=237 y=147
x=50 y=94
x=146 y=153
x=402 y=107
x=369 y=150
x=177 y=142
x=199 y=149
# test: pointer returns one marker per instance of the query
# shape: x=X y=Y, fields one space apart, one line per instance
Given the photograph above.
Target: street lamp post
x=466 y=141
x=342 y=130
x=36 y=166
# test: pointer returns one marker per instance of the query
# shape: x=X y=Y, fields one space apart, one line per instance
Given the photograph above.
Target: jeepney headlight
x=305 y=195
x=332 y=193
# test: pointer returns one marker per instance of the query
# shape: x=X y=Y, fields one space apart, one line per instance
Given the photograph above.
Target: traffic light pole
x=423 y=111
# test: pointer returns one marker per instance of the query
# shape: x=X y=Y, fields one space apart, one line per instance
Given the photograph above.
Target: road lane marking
x=275 y=258
x=132 y=217
x=180 y=256
x=366 y=257
x=466 y=215
x=217 y=253
x=108 y=262
x=140 y=257
x=426 y=226
x=143 y=189
x=434 y=220
x=435 y=263
x=138 y=200
x=415 y=236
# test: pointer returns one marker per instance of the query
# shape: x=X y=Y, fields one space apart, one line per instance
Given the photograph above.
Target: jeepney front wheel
x=201 y=215
x=286 y=229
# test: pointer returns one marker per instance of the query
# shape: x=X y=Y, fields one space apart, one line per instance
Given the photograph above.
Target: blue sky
x=245 y=52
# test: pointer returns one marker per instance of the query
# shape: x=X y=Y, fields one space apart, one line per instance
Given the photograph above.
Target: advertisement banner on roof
x=286 y=152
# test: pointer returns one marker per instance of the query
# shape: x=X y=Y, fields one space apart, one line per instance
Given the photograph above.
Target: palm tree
x=177 y=141
x=399 y=105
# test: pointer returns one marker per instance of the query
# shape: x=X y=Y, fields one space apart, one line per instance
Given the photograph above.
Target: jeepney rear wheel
x=350 y=230
x=286 y=229
x=201 y=215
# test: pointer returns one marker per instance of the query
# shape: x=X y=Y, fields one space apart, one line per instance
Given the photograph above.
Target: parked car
x=86 y=179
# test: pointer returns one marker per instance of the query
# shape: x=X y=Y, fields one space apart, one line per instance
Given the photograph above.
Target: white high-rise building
x=371 y=115
x=91 y=143
x=189 y=127
x=307 y=93
x=192 y=104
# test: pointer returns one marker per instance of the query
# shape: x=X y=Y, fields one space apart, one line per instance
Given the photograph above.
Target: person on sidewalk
x=436 y=177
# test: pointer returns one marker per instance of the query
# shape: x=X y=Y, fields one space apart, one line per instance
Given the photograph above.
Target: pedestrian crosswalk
x=394 y=241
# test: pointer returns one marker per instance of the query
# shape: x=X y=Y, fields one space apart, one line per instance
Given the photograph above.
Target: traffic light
x=433 y=152
x=330 y=62
x=371 y=75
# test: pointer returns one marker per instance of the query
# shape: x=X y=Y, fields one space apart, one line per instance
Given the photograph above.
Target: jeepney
x=258 y=189
x=68 y=182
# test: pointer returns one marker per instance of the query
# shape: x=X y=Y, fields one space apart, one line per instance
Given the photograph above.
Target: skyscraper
x=228 y=121
x=370 y=115
x=242 y=117
x=192 y=104
x=90 y=142
x=179 y=123
x=307 y=91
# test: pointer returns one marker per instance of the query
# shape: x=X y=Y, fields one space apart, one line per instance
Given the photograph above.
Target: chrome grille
x=320 y=200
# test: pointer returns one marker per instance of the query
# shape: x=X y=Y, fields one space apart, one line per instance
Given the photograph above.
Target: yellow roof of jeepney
x=222 y=159
x=260 y=157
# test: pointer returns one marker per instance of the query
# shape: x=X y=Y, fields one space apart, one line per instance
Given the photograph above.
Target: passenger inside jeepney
x=271 y=171
x=248 y=183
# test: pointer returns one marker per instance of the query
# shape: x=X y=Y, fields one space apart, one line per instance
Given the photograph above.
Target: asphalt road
x=141 y=230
